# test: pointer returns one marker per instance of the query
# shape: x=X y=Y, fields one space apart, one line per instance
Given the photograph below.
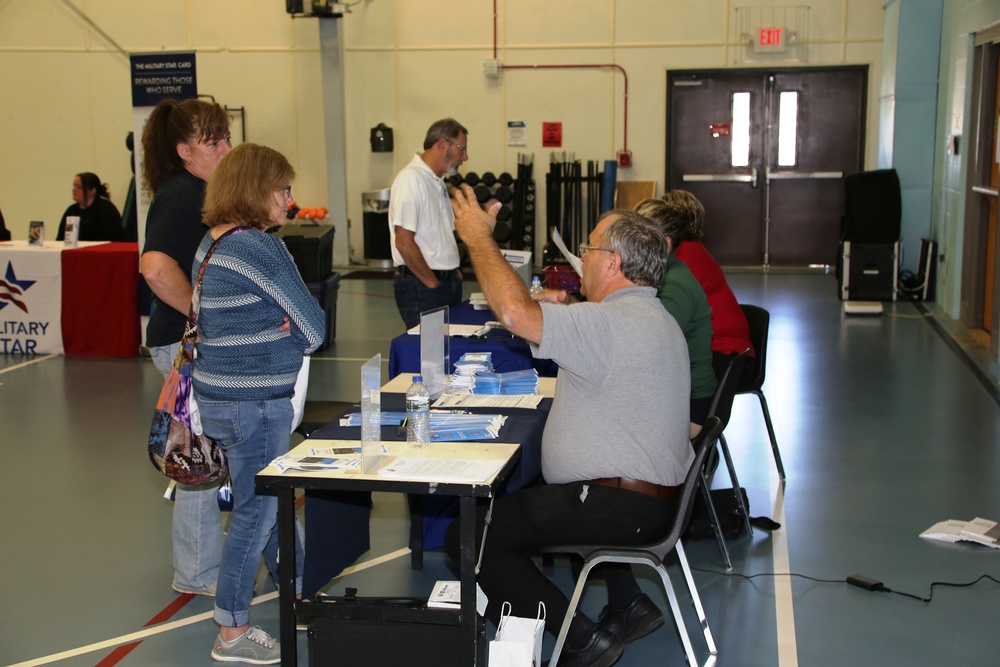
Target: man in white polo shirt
x=422 y=225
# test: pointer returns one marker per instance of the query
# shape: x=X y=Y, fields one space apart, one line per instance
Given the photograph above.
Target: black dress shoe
x=634 y=621
x=603 y=650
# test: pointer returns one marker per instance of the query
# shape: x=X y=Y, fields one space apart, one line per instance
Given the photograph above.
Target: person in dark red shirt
x=730 y=330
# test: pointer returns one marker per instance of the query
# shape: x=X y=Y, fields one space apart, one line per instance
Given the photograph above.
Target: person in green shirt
x=683 y=297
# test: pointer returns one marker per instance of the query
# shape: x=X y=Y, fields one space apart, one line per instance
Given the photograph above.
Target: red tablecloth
x=100 y=300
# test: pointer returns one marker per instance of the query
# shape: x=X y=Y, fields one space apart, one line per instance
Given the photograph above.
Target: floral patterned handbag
x=174 y=447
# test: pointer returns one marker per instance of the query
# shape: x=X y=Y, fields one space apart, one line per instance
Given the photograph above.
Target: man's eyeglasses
x=460 y=147
x=584 y=249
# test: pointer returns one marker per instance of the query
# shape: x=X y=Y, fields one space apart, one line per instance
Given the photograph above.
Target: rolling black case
x=868 y=271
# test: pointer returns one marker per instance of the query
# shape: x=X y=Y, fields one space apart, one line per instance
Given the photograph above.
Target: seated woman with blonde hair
x=730 y=329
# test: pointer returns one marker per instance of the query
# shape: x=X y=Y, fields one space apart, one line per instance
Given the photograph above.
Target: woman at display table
x=99 y=218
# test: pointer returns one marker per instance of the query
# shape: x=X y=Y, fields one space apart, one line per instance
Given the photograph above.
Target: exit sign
x=771 y=40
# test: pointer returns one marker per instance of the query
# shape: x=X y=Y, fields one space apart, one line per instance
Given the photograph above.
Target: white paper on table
x=464 y=330
x=441 y=470
x=573 y=260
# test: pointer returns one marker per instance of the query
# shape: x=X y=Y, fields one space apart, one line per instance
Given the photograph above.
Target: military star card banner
x=30 y=299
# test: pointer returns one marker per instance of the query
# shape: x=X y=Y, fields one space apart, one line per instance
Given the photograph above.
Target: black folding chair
x=652 y=555
x=752 y=380
x=721 y=408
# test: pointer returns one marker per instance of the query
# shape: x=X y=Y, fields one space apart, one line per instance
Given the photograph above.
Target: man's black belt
x=440 y=274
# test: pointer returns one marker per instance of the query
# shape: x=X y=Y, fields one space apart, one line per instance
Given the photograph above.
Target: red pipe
x=618 y=67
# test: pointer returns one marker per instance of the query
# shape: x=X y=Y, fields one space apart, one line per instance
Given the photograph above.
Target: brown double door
x=767 y=153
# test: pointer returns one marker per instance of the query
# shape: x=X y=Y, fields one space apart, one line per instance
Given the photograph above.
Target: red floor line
x=117 y=655
x=165 y=614
x=171 y=609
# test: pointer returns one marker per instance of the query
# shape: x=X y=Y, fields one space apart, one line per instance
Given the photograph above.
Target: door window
x=740 y=156
x=788 y=113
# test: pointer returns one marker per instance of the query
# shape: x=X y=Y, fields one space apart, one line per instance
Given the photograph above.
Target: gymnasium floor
x=887 y=425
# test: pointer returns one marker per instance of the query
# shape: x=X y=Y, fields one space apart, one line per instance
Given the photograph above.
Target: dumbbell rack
x=573 y=202
x=515 y=228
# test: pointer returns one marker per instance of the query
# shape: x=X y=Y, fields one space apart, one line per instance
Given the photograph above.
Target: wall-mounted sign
x=517 y=133
x=552 y=135
x=771 y=40
x=158 y=76
x=719 y=129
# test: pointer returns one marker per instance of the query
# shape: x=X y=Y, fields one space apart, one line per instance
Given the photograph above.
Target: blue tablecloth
x=337 y=523
x=510 y=353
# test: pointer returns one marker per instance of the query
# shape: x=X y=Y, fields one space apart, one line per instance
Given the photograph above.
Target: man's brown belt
x=640 y=486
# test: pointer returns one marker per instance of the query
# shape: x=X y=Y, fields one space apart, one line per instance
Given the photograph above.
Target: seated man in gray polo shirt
x=615 y=449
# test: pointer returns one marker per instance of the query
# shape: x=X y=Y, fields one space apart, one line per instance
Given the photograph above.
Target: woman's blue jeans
x=197 y=521
x=252 y=434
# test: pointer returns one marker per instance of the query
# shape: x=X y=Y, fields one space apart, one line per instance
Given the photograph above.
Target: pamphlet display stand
x=435 y=350
x=371 y=415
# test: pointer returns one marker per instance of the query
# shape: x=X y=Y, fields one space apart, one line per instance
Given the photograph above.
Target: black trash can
x=375 y=207
x=325 y=292
x=311 y=247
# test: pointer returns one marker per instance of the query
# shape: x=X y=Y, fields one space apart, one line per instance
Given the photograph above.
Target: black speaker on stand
x=868 y=261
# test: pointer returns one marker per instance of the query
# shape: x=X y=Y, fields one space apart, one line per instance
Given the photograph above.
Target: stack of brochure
x=388 y=418
x=514 y=382
x=468 y=366
x=979 y=530
x=448 y=595
x=445 y=425
x=451 y=426
x=323 y=458
x=478 y=301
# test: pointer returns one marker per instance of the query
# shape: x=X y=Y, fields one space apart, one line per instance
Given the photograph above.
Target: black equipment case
x=325 y=291
x=869 y=271
x=311 y=247
x=384 y=632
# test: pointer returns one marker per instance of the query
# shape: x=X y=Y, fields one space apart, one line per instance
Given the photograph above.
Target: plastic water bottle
x=418 y=404
x=536 y=286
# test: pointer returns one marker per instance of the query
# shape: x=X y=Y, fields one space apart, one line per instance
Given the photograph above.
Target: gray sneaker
x=254 y=646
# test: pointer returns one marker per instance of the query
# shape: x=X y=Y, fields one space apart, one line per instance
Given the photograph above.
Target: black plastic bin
x=311 y=247
x=325 y=292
